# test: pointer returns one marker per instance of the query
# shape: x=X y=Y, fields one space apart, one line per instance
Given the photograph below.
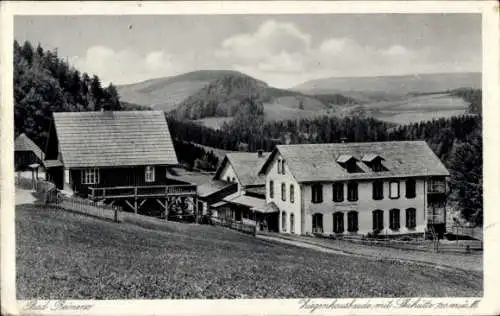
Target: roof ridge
x=105 y=112
x=310 y=162
x=354 y=143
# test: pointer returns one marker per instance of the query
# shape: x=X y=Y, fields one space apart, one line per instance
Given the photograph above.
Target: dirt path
x=24 y=196
x=438 y=260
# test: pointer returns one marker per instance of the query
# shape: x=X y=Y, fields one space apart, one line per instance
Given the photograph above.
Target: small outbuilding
x=26 y=153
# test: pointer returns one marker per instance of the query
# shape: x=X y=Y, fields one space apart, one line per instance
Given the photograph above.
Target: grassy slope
x=64 y=255
x=411 y=109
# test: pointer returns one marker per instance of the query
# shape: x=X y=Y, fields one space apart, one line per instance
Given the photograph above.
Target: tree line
x=457 y=141
x=45 y=83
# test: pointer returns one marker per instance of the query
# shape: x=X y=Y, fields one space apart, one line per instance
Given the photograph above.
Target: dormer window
x=281 y=166
x=374 y=161
x=349 y=163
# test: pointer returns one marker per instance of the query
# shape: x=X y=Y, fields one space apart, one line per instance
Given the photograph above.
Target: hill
x=391 y=86
x=223 y=98
x=166 y=93
x=218 y=93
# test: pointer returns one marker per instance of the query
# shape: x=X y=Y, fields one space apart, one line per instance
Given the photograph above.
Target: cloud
x=282 y=53
x=273 y=46
x=124 y=66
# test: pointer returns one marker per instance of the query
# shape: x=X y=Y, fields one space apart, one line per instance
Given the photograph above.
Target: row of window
x=283 y=191
x=394 y=219
x=92 y=176
x=377 y=218
x=352 y=191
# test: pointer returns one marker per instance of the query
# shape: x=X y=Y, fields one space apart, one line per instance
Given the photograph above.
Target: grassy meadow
x=61 y=255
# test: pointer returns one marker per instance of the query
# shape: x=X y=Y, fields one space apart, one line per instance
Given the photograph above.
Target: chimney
x=260 y=152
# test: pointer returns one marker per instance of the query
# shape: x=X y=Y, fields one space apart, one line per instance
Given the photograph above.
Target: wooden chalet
x=117 y=158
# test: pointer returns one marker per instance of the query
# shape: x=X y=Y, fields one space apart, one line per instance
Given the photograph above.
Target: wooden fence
x=89 y=207
x=236 y=225
x=462 y=246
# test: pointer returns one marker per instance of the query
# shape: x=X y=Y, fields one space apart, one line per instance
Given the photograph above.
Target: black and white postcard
x=241 y=158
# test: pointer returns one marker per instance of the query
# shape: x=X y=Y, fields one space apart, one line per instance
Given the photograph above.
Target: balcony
x=436 y=187
x=141 y=191
x=436 y=215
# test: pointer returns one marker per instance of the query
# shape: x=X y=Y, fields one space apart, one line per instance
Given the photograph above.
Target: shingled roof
x=211 y=187
x=318 y=162
x=102 y=139
x=246 y=165
x=24 y=143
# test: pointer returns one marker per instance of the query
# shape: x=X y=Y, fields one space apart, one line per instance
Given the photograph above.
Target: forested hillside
x=223 y=97
x=44 y=83
x=457 y=141
x=474 y=97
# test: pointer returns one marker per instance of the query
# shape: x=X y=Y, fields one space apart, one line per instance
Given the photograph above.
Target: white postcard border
x=489 y=304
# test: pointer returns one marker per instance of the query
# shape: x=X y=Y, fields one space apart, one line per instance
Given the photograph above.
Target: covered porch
x=251 y=210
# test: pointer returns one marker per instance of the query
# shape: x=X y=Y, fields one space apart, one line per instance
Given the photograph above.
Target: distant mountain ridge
x=400 y=85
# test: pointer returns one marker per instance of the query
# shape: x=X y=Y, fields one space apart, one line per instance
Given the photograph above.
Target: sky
x=283 y=50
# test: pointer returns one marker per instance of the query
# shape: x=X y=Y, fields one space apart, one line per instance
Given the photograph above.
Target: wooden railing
x=436 y=215
x=236 y=225
x=436 y=187
x=89 y=207
x=141 y=191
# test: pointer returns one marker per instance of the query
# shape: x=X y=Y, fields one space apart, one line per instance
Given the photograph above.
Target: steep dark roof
x=52 y=163
x=101 y=139
x=24 y=143
x=318 y=162
x=246 y=166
